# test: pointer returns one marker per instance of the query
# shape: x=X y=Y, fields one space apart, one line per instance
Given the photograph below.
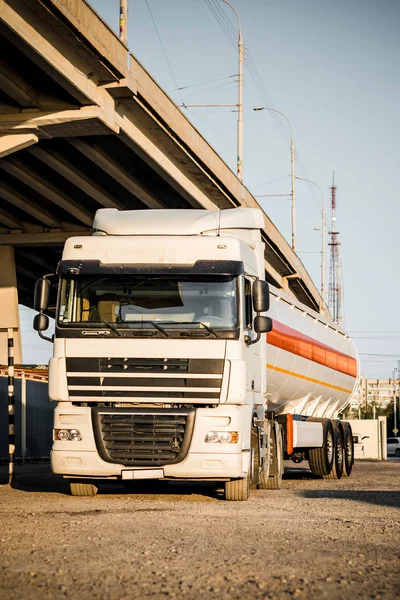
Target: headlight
x=222 y=437
x=65 y=435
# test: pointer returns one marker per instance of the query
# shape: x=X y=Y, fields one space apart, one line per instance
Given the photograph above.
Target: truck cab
x=158 y=363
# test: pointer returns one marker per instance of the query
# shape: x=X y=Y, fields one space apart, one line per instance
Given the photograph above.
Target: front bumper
x=203 y=460
x=194 y=466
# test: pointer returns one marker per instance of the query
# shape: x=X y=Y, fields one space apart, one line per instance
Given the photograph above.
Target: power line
x=215 y=87
x=223 y=20
x=229 y=30
x=186 y=87
x=207 y=125
x=164 y=51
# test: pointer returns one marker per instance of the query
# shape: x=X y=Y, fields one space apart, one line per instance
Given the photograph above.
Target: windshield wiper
x=113 y=327
x=157 y=327
x=193 y=332
x=207 y=327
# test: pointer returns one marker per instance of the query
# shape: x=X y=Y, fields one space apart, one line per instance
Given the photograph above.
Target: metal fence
x=33 y=419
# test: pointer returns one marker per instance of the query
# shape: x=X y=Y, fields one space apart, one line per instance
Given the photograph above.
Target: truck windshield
x=159 y=303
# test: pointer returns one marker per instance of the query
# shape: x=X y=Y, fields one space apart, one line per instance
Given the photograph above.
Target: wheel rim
x=329 y=447
x=339 y=452
x=349 y=451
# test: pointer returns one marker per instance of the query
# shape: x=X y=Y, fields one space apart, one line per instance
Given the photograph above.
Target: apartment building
x=378 y=392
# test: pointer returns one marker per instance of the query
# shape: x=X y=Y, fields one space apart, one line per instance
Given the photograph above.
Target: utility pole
x=239 y=105
x=292 y=171
x=335 y=299
x=398 y=391
x=123 y=21
x=395 y=430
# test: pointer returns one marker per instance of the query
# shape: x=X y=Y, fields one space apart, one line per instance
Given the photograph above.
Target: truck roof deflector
x=174 y=222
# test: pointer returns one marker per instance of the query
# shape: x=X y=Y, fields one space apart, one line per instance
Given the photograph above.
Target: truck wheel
x=276 y=468
x=321 y=459
x=338 y=462
x=260 y=447
x=348 y=450
x=82 y=488
x=237 y=489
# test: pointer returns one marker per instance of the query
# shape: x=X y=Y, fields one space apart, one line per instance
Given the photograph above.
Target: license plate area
x=142 y=474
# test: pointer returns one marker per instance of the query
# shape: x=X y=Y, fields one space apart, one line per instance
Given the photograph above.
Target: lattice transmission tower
x=335 y=297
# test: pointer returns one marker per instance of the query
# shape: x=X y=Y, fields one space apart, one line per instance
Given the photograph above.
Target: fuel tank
x=312 y=364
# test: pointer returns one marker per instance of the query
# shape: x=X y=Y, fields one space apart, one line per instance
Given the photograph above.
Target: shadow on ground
x=377 y=497
x=39 y=478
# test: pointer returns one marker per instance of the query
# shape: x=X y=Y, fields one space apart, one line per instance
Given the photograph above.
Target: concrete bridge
x=84 y=126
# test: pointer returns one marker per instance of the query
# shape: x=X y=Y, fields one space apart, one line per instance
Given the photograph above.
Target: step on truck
x=175 y=360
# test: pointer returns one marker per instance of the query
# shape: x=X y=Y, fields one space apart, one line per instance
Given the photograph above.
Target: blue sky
x=333 y=69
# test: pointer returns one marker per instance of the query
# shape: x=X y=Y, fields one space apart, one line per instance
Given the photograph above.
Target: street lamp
x=292 y=159
x=323 y=226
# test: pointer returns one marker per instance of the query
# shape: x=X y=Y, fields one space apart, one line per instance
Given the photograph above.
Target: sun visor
x=201 y=267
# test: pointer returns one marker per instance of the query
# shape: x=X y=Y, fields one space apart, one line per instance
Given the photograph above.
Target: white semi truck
x=174 y=359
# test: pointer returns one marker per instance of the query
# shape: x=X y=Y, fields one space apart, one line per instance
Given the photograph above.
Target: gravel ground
x=312 y=539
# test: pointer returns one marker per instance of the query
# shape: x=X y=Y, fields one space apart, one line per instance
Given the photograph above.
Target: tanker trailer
x=312 y=370
x=175 y=360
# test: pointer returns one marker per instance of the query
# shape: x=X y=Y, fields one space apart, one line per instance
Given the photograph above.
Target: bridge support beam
x=9 y=316
x=17 y=141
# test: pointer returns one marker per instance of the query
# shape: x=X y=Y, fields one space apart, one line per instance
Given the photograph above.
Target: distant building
x=378 y=392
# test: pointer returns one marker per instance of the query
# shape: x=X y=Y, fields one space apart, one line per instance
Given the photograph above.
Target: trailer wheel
x=276 y=469
x=348 y=450
x=82 y=488
x=237 y=489
x=321 y=459
x=338 y=462
x=260 y=437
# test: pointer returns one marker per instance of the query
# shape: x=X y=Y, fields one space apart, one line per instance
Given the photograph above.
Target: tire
x=348 y=450
x=260 y=437
x=338 y=463
x=276 y=466
x=82 y=488
x=321 y=459
x=397 y=453
x=237 y=490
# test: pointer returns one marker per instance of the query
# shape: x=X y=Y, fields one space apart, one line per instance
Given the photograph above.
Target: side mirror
x=260 y=296
x=262 y=324
x=42 y=292
x=40 y=322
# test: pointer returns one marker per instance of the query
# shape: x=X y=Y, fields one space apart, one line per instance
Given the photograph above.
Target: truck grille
x=168 y=379
x=143 y=437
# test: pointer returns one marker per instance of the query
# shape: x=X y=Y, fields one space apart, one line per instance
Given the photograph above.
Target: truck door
x=252 y=353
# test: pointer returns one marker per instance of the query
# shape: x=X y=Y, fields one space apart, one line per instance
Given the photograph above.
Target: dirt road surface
x=312 y=539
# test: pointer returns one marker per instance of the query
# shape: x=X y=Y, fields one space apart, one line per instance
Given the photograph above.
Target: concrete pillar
x=9 y=316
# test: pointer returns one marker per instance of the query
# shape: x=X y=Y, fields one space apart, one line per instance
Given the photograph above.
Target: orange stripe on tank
x=300 y=376
x=293 y=341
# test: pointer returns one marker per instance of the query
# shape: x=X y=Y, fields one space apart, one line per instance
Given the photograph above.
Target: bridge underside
x=84 y=126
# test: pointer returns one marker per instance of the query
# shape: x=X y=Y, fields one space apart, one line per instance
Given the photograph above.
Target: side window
x=248 y=304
